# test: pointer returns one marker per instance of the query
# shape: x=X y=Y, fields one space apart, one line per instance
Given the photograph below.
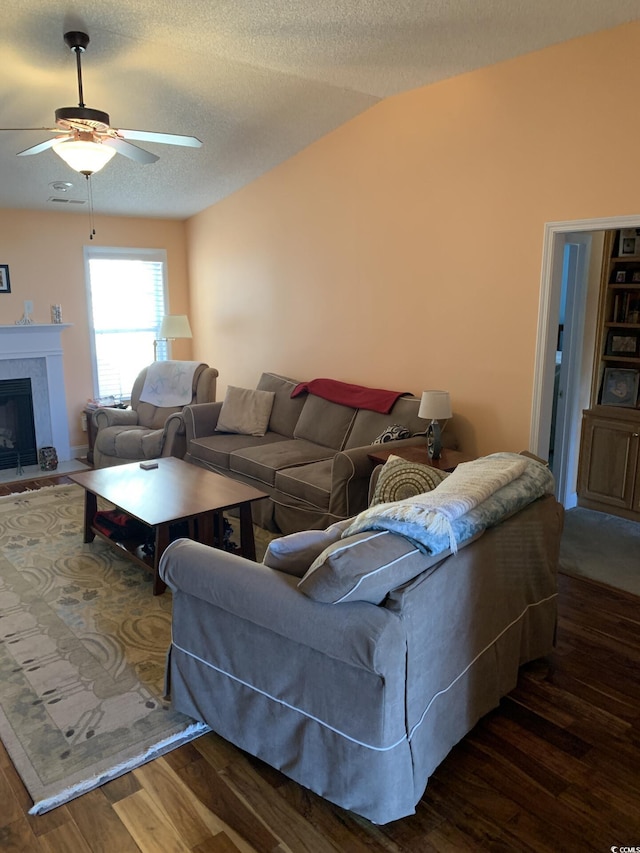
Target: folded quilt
x=169 y=383
x=475 y=496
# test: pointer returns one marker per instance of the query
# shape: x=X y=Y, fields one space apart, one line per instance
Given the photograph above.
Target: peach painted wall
x=404 y=249
x=44 y=252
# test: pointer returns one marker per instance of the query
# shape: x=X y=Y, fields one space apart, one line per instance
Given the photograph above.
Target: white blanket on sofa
x=169 y=383
x=462 y=504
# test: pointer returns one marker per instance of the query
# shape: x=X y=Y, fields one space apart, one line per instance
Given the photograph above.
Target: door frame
x=555 y=234
x=577 y=252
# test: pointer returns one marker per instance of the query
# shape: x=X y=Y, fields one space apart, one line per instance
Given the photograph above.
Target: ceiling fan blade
x=130 y=151
x=164 y=138
x=42 y=146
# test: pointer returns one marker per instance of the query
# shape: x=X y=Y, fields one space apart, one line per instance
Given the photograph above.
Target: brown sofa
x=313 y=459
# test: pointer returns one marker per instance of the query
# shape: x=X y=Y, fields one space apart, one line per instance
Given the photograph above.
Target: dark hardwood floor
x=555 y=768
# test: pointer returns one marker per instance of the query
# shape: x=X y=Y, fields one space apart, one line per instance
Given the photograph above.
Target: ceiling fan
x=84 y=137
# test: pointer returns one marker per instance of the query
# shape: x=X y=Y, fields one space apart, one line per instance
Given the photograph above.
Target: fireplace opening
x=17 y=426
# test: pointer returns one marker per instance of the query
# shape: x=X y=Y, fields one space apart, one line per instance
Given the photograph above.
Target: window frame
x=127 y=254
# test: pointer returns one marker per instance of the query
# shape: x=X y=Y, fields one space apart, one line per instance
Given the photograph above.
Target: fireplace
x=17 y=426
x=34 y=352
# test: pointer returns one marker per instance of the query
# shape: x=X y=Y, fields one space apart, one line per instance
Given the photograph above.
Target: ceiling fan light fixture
x=83 y=155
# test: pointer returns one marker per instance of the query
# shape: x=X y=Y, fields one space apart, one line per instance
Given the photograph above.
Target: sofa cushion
x=127 y=443
x=368 y=425
x=323 y=422
x=246 y=411
x=215 y=449
x=294 y=553
x=310 y=483
x=364 y=567
x=263 y=461
x=399 y=479
x=286 y=411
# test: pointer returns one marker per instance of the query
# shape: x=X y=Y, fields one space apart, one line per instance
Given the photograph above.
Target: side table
x=449 y=459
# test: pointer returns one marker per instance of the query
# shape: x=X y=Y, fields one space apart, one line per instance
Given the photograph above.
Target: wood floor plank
x=147 y=825
x=11 y=809
x=220 y=843
x=284 y=821
x=100 y=826
x=18 y=837
x=120 y=788
x=206 y=784
x=336 y=824
x=217 y=751
x=498 y=771
x=63 y=839
x=166 y=788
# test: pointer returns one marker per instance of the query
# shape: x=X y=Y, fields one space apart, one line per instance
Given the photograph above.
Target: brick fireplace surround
x=35 y=352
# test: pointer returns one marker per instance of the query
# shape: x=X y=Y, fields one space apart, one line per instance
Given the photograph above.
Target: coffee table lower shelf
x=175 y=492
x=132 y=547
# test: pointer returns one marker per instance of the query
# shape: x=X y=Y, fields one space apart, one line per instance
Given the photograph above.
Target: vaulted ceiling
x=255 y=80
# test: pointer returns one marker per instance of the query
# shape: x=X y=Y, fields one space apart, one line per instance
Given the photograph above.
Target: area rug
x=82 y=653
x=601 y=547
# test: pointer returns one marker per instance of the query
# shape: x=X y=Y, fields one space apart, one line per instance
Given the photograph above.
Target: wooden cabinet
x=609 y=470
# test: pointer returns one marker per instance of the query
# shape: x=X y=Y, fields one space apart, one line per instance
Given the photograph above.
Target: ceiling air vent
x=55 y=200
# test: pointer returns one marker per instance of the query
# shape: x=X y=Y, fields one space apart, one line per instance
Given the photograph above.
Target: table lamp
x=173 y=326
x=434 y=406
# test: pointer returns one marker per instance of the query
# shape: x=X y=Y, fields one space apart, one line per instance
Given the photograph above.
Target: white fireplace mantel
x=18 y=346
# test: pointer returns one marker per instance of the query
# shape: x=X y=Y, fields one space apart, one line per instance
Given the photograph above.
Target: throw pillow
x=392 y=433
x=365 y=567
x=294 y=553
x=399 y=479
x=245 y=411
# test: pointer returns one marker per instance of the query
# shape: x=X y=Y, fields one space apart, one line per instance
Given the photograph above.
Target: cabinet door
x=609 y=462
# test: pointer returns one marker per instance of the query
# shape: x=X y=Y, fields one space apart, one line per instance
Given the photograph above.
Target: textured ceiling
x=255 y=80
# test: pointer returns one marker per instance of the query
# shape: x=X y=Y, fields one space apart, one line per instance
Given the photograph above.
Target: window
x=126 y=295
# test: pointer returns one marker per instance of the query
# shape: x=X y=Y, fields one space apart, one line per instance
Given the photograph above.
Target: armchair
x=146 y=431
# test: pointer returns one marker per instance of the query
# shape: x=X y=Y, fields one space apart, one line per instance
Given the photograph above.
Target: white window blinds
x=127 y=301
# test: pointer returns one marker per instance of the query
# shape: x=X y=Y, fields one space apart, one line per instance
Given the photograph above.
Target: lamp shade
x=435 y=406
x=84 y=156
x=175 y=326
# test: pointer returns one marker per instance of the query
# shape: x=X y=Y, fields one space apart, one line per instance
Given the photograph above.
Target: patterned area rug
x=82 y=653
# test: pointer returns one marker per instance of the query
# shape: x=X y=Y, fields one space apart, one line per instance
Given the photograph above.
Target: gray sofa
x=358 y=685
x=313 y=460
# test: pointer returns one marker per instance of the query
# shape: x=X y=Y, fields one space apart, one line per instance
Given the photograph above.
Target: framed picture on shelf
x=619 y=387
x=5 y=284
x=621 y=277
x=629 y=242
x=632 y=309
x=635 y=278
x=623 y=343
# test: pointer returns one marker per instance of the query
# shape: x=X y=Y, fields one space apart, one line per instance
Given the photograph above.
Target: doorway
x=576 y=269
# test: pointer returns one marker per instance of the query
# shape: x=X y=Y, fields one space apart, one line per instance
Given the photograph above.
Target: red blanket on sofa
x=346 y=394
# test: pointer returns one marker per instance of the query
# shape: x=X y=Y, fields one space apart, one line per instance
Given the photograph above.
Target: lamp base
x=434 y=444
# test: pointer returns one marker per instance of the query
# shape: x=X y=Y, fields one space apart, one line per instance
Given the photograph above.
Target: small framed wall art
x=5 y=284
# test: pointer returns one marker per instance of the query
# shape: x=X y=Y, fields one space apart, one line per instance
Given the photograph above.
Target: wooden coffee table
x=174 y=491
